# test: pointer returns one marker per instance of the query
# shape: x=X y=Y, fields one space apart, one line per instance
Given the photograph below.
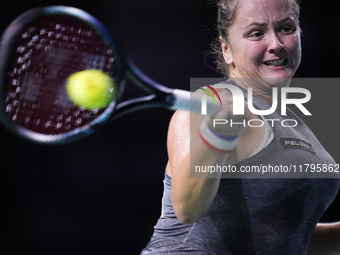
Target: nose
x=275 y=44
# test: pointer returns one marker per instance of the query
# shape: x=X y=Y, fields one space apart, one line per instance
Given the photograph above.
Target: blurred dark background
x=102 y=195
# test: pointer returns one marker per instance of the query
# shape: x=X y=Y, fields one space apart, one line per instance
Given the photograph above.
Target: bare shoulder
x=183 y=127
x=182 y=122
x=179 y=128
x=178 y=143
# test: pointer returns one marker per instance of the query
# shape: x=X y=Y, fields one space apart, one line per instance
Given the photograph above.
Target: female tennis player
x=259 y=45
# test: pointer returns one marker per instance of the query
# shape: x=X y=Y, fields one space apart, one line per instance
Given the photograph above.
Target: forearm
x=325 y=239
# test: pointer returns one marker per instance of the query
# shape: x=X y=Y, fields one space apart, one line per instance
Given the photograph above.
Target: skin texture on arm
x=325 y=239
x=191 y=197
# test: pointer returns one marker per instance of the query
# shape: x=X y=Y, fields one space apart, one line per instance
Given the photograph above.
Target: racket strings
x=49 y=50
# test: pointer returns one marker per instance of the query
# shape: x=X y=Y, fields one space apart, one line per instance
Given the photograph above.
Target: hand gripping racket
x=38 y=52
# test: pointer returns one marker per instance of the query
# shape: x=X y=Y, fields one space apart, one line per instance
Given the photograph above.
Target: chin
x=277 y=81
x=281 y=79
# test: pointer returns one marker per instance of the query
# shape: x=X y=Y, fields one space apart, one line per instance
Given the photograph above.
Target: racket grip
x=192 y=102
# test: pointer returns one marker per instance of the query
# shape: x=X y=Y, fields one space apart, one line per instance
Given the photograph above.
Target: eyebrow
x=258 y=24
x=254 y=24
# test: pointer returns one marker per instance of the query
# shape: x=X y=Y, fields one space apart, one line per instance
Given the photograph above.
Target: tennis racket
x=38 y=52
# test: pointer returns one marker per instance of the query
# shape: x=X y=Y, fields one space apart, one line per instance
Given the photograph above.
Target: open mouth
x=274 y=63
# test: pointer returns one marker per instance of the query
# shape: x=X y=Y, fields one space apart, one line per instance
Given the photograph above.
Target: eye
x=256 y=34
x=287 y=30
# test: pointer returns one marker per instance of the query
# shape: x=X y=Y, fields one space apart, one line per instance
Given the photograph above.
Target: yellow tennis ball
x=91 y=89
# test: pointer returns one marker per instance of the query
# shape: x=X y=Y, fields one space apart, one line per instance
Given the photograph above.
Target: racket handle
x=192 y=102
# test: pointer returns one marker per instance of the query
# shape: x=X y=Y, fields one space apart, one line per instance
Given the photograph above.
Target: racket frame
x=160 y=96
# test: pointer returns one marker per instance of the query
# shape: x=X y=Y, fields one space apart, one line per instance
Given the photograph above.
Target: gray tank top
x=252 y=215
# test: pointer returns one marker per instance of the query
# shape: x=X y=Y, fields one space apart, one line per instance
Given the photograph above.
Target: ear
x=227 y=55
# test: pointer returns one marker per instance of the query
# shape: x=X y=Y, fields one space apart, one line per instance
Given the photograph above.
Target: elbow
x=186 y=218
x=186 y=214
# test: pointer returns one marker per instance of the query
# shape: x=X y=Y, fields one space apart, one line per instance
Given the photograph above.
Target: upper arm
x=191 y=197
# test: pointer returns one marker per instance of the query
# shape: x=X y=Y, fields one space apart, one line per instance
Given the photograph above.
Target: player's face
x=264 y=41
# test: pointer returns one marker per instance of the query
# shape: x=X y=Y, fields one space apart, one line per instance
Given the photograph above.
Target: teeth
x=277 y=62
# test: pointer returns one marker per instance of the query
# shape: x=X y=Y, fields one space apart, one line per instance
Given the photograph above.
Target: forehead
x=263 y=11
